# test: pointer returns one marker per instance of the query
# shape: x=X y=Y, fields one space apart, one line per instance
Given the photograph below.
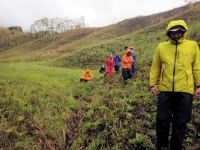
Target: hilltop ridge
x=70 y=42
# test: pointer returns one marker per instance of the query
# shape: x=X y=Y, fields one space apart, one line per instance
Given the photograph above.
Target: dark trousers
x=117 y=67
x=83 y=80
x=175 y=108
x=126 y=74
x=133 y=68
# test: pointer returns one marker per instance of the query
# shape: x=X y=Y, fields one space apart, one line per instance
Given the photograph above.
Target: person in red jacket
x=109 y=63
x=127 y=61
x=86 y=76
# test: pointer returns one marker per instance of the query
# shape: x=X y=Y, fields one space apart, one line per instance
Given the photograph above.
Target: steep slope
x=49 y=46
x=77 y=40
x=12 y=38
x=144 y=39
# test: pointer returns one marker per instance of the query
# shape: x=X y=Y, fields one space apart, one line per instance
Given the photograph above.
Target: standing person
x=134 y=58
x=109 y=63
x=126 y=48
x=86 y=76
x=127 y=61
x=117 y=66
x=176 y=64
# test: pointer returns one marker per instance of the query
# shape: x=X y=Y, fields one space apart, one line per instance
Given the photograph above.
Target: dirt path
x=70 y=132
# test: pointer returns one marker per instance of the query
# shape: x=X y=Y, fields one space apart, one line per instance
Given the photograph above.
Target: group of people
x=174 y=77
x=115 y=62
x=126 y=63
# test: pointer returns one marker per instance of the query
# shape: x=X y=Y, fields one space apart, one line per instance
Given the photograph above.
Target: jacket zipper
x=174 y=70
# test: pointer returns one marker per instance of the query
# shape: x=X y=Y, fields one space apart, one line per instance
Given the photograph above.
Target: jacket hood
x=178 y=23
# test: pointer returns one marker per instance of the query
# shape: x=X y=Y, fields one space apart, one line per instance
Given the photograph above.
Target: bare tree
x=192 y=1
x=46 y=26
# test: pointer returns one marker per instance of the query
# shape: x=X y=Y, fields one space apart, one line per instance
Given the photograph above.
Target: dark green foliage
x=17 y=28
x=119 y=116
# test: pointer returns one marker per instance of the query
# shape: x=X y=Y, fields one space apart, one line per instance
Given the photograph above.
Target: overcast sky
x=96 y=12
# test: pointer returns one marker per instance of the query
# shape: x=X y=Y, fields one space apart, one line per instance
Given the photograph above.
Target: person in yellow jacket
x=86 y=76
x=175 y=76
x=127 y=61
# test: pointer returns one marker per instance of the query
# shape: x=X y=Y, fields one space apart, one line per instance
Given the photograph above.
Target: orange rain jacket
x=127 y=61
x=87 y=75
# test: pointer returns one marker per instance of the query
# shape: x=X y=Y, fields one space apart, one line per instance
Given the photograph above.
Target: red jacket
x=110 y=62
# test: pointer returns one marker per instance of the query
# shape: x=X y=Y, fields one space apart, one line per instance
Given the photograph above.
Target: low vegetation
x=35 y=101
x=44 y=106
x=12 y=38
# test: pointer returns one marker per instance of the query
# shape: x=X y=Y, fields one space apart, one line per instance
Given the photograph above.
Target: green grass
x=35 y=73
x=37 y=103
x=41 y=105
x=33 y=97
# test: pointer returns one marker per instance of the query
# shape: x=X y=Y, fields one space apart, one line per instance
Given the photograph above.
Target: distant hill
x=142 y=39
x=12 y=38
x=36 y=49
x=63 y=46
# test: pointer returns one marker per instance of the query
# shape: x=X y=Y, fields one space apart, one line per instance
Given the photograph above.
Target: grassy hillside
x=47 y=108
x=144 y=39
x=41 y=48
x=12 y=38
x=44 y=106
x=36 y=103
x=77 y=40
x=124 y=118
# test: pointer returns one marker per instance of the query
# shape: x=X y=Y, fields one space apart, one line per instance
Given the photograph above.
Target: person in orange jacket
x=86 y=76
x=127 y=61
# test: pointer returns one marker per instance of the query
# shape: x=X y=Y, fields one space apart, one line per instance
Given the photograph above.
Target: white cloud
x=96 y=12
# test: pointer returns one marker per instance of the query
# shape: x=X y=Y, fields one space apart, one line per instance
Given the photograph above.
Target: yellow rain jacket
x=176 y=67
